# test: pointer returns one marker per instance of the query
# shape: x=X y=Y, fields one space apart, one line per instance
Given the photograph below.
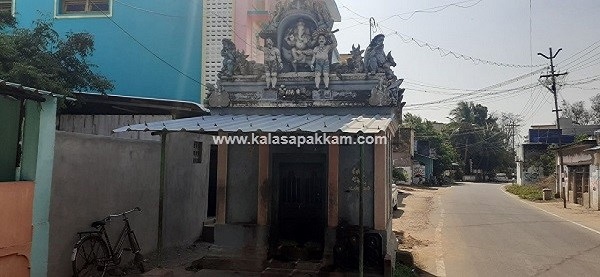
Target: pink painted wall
x=16 y=212
x=249 y=15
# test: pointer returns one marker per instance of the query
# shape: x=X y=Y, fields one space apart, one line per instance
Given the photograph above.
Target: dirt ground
x=416 y=222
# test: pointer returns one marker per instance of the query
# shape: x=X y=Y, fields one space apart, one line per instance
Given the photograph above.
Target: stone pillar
x=379 y=186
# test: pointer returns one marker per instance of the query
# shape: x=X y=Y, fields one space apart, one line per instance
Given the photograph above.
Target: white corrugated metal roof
x=597 y=148
x=369 y=124
x=32 y=92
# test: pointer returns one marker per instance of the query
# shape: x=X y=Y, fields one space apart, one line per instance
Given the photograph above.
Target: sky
x=507 y=32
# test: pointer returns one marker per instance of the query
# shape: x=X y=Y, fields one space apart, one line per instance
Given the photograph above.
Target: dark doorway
x=301 y=213
x=212 y=182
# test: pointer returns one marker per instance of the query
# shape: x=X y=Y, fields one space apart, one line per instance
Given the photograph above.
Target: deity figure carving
x=320 y=61
x=374 y=55
x=300 y=40
x=273 y=62
x=228 y=52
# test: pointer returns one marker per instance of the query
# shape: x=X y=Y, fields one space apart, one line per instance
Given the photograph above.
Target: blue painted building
x=149 y=48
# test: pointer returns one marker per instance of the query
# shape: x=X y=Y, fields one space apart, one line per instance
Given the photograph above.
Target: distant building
x=541 y=137
x=581 y=173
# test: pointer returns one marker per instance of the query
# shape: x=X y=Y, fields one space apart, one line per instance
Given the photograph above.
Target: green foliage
x=398 y=174
x=404 y=271
x=581 y=137
x=547 y=161
x=477 y=137
x=529 y=192
x=425 y=131
x=40 y=58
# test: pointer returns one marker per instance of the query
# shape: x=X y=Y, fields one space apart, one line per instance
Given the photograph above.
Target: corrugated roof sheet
x=20 y=91
x=353 y=124
x=597 y=148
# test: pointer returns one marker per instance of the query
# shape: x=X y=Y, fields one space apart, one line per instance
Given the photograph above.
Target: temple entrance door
x=301 y=215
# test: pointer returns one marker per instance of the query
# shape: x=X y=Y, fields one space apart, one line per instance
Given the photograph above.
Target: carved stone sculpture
x=218 y=98
x=321 y=59
x=356 y=63
x=375 y=55
x=273 y=62
x=300 y=41
x=228 y=52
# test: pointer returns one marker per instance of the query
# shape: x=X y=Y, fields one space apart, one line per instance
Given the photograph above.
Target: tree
x=40 y=58
x=478 y=139
x=425 y=131
x=471 y=113
x=577 y=112
x=596 y=108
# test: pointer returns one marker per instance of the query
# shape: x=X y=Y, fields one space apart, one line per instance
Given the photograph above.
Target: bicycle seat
x=98 y=224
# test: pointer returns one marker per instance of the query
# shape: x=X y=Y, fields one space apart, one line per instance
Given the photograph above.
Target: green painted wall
x=46 y=124
x=9 y=116
x=31 y=138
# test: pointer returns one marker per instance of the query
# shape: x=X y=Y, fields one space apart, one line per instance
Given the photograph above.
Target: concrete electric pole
x=512 y=125
x=553 y=90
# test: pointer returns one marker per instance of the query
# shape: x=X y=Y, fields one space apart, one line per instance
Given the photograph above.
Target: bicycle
x=93 y=254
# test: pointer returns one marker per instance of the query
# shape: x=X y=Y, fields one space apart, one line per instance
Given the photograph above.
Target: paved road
x=486 y=232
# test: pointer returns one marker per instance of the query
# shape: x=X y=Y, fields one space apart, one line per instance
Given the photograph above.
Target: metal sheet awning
x=597 y=148
x=352 y=124
x=19 y=91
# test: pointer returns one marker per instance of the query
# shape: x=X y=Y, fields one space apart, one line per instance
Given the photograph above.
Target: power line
x=144 y=10
x=432 y=10
x=442 y=51
x=573 y=62
x=589 y=63
x=487 y=98
x=516 y=79
x=445 y=52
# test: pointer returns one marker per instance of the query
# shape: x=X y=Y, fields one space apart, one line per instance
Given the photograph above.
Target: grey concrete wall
x=186 y=189
x=104 y=124
x=348 y=190
x=242 y=184
x=586 y=200
x=95 y=176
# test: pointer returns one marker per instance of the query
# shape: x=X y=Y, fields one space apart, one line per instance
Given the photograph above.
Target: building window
x=86 y=6
x=6 y=5
x=197 y=152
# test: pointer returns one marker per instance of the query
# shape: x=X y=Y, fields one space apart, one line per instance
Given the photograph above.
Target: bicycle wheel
x=139 y=262
x=90 y=257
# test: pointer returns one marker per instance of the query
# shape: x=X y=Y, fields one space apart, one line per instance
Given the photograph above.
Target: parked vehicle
x=501 y=177
x=93 y=254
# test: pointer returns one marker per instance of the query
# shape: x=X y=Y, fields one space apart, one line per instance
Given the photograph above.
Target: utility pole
x=513 y=126
x=553 y=75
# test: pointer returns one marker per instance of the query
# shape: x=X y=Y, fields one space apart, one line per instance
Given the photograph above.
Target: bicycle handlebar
x=136 y=209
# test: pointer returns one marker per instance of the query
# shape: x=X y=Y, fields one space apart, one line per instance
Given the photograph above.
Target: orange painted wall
x=16 y=212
